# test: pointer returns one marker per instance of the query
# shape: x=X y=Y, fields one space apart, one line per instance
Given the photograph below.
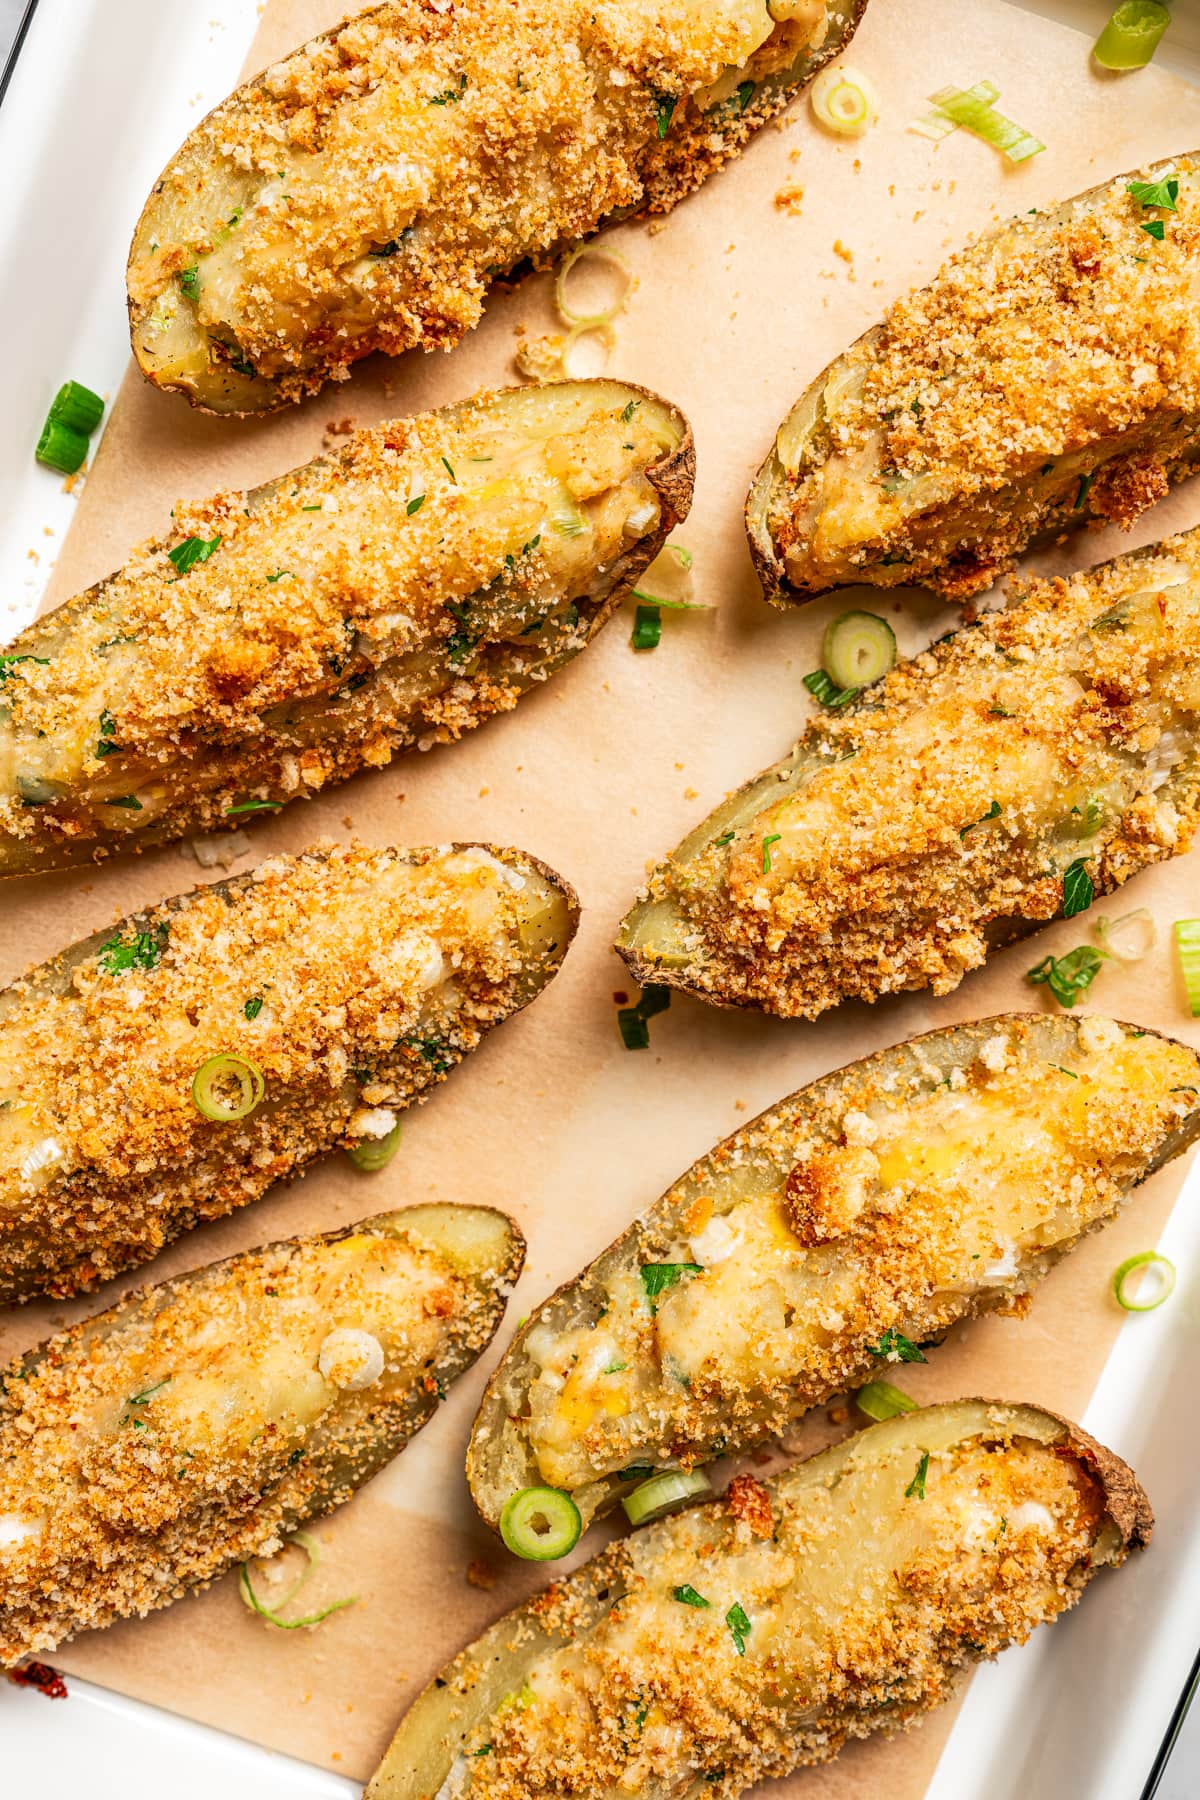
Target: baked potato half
x=754 y=1636
x=364 y=193
x=832 y=1236
x=192 y=1426
x=998 y=780
x=172 y=1068
x=1045 y=377
x=395 y=593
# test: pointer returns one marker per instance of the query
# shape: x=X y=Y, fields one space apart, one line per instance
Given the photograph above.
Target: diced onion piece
x=665 y=1493
x=606 y=314
x=375 y=1153
x=844 y=101
x=1128 y=938
x=1187 y=936
x=227 y=1087
x=540 y=1523
x=880 y=1400
x=1148 y=1272
x=271 y=1614
x=1132 y=35
x=857 y=649
x=977 y=115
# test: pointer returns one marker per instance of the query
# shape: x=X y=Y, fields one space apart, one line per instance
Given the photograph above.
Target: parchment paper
x=740 y=302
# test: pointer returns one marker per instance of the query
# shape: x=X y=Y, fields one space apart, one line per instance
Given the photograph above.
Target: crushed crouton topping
x=148 y=1450
x=814 y=1254
x=938 y=818
x=1049 y=374
x=364 y=193
x=396 y=593
x=345 y=977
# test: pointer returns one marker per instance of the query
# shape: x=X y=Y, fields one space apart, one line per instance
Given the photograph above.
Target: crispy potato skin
x=384 y=599
x=1047 y=377
x=331 y=973
x=142 y=1517
x=726 y=1414
x=891 y=1635
x=414 y=147
x=898 y=867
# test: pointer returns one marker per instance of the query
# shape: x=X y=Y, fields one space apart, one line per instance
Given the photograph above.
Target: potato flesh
x=858 y=1606
x=914 y=1209
x=126 y=1461
x=324 y=217
x=347 y=609
x=374 y=974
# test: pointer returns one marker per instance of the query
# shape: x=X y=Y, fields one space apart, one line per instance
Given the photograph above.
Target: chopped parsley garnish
x=999 y=712
x=993 y=812
x=1065 y=1071
x=664 y=110
x=415 y=504
x=1068 y=976
x=449 y=470
x=827 y=692
x=628 y=410
x=739 y=1627
x=146 y=1393
x=450 y=96
x=745 y=93
x=432 y=1050
x=687 y=1596
x=726 y=837
x=278 y=575
x=244 y=806
x=129 y=801
x=656 y=1277
x=636 y=1472
x=633 y=1021
x=916 y=1487
x=1078 y=890
x=615 y=1368
x=647 y=628
x=142 y=953
x=108 y=731
x=9 y=663
x=1162 y=193
x=772 y=838
x=1154 y=228
x=189 y=281
x=896 y=1347
x=253 y=1007
x=1115 y=619
x=193 y=550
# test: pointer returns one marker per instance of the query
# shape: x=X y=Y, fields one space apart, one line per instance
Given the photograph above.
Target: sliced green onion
x=1078 y=888
x=1132 y=35
x=540 y=1523
x=1159 y=1276
x=272 y=1613
x=857 y=649
x=844 y=101
x=938 y=126
x=565 y=516
x=1187 y=937
x=647 y=628
x=77 y=407
x=605 y=316
x=193 y=550
x=227 y=1087
x=376 y=1153
x=1068 y=976
x=979 y=116
x=1128 y=938
x=826 y=692
x=665 y=1493
x=61 y=448
x=880 y=1400
x=668 y=581
x=633 y=1021
x=245 y=806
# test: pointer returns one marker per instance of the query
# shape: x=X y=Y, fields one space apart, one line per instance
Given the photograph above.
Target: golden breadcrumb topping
x=842 y=1229
x=724 y=1657
x=1050 y=373
x=145 y=1452
x=398 y=592
x=363 y=193
x=1054 y=744
x=351 y=980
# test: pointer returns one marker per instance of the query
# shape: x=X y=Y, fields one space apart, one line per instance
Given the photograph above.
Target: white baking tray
x=99 y=96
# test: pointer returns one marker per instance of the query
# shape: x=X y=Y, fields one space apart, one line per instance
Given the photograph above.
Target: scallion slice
x=1187 y=938
x=1128 y=938
x=271 y=1614
x=375 y=1153
x=77 y=407
x=844 y=101
x=540 y=1523
x=857 y=649
x=605 y=315
x=227 y=1087
x=979 y=116
x=665 y=1493
x=61 y=448
x=1132 y=35
x=1146 y=1271
x=647 y=628
x=880 y=1400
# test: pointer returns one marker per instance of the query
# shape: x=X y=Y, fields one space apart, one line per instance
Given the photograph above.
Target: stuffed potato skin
x=935 y=1181
x=941 y=816
x=739 y=1641
x=1049 y=375
x=364 y=192
x=194 y=1425
x=396 y=593
x=351 y=979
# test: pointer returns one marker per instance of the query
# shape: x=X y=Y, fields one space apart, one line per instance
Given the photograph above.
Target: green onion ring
x=1164 y=1271
x=271 y=1613
x=217 y=1074
x=540 y=1523
x=1132 y=35
x=665 y=1493
x=880 y=1400
x=375 y=1153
